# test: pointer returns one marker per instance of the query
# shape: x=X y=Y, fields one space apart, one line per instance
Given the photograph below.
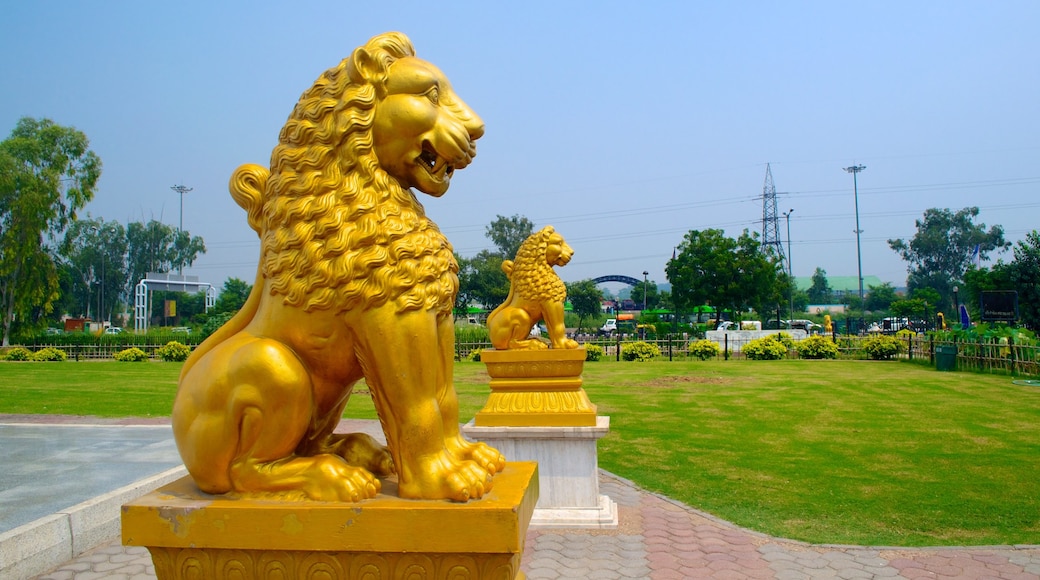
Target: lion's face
x=422 y=131
x=557 y=252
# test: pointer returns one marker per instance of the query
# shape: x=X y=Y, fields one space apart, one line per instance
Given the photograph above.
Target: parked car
x=608 y=327
x=114 y=330
x=181 y=330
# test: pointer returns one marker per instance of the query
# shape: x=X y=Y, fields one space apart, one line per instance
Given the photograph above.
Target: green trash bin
x=946 y=357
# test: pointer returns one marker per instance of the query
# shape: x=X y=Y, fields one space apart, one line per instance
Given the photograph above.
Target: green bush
x=174 y=351
x=49 y=354
x=18 y=354
x=704 y=349
x=770 y=347
x=817 y=346
x=593 y=352
x=784 y=339
x=131 y=355
x=639 y=351
x=881 y=347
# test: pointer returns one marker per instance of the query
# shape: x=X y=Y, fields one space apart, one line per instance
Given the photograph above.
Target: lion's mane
x=337 y=232
x=531 y=275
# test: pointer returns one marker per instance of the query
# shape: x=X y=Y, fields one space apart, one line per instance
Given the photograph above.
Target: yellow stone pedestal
x=192 y=535
x=532 y=388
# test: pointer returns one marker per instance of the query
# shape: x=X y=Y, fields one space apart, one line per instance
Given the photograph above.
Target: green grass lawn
x=860 y=452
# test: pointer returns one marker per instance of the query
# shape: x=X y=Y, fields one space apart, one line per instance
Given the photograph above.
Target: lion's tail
x=247 y=188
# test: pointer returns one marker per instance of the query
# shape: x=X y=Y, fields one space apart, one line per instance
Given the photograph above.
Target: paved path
x=661 y=539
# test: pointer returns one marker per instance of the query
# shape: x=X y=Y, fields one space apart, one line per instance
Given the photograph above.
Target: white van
x=609 y=326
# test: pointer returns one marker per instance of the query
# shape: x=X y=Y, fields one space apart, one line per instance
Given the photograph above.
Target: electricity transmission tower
x=770 y=219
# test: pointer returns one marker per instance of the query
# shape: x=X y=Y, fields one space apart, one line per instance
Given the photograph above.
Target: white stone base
x=568 y=471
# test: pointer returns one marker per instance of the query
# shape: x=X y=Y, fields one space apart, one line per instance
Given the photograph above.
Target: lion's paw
x=332 y=479
x=444 y=477
x=482 y=454
x=362 y=450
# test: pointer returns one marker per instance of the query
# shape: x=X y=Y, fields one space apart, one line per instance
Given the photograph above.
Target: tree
x=482 y=280
x=48 y=174
x=880 y=297
x=1025 y=278
x=157 y=247
x=507 y=233
x=232 y=296
x=585 y=298
x=820 y=291
x=711 y=268
x=653 y=298
x=94 y=253
x=943 y=248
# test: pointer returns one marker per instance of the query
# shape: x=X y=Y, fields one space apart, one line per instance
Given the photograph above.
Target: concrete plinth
x=191 y=534
x=568 y=471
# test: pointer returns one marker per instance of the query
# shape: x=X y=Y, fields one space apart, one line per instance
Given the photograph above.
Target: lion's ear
x=364 y=68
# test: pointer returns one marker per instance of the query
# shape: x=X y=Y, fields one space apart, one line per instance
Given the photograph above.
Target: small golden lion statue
x=535 y=293
x=354 y=281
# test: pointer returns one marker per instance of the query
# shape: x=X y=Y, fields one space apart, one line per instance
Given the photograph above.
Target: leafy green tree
x=232 y=296
x=820 y=291
x=481 y=280
x=157 y=247
x=880 y=297
x=585 y=298
x=653 y=298
x=943 y=247
x=1025 y=278
x=711 y=268
x=47 y=174
x=94 y=254
x=909 y=308
x=508 y=233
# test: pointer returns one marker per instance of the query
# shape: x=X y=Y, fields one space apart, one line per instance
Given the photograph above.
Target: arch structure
x=617 y=278
x=167 y=282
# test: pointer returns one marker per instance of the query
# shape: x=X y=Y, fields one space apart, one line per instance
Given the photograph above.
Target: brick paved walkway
x=661 y=539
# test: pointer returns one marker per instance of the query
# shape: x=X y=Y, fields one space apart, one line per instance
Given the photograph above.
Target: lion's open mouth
x=434 y=164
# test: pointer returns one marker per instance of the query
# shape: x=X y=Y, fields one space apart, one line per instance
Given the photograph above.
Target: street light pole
x=181 y=189
x=855 y=169
x=790 y=267
x=645 y=274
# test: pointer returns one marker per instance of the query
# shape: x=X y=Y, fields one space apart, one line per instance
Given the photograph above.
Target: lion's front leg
x=554 y=323
x=484 y=455
x=402 y=358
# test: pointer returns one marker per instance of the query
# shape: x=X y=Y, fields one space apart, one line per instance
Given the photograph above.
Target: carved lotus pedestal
x=192 y=535
x=537 y=411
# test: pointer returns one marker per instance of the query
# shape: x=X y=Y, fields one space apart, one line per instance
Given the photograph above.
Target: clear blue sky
x=623 y=124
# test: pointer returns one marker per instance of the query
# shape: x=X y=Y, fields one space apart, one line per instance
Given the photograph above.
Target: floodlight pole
x=859 y=252
x=181 y=189
x=790 y=267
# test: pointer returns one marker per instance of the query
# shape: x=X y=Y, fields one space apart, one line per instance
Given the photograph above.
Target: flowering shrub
x=881 y=347
x=784 y=339
x=474 y=355
x=18 y=354
x=49 y=354
x=770 y=347
x=174 y=351
x=639 y=351
x=131 y=355
x=817 y=346
x=593 y=352
x=704 y=349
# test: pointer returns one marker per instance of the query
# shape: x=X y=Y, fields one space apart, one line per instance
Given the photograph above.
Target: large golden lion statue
x=354 y=281
x=535 y=293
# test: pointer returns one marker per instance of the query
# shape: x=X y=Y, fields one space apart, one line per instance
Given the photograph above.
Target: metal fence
x=991 y=355
x=983 y=355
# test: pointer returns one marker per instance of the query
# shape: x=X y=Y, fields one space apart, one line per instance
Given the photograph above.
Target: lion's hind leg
x=258 y=412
